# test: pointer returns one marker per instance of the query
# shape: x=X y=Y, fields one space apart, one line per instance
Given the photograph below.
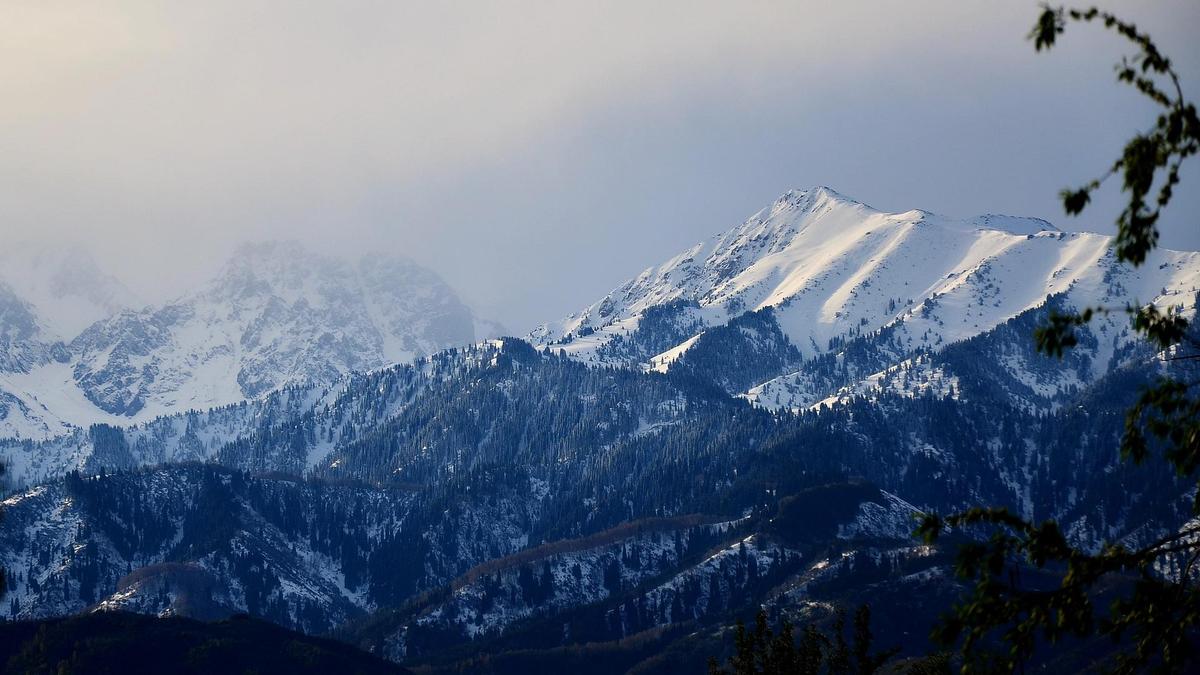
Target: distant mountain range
x=754 y=423
x=75 y=350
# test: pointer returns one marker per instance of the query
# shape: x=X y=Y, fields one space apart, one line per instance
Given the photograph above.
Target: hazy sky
x=538 y=153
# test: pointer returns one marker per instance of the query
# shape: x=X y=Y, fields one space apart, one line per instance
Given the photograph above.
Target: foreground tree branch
x=1031 y=583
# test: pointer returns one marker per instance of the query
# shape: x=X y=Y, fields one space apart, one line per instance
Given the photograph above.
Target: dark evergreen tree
x=764 y=651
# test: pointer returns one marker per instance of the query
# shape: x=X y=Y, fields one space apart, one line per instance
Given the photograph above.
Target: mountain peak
x=826 y=192
x=812 y=197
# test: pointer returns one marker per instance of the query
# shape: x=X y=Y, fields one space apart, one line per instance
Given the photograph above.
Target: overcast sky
x=536 y=154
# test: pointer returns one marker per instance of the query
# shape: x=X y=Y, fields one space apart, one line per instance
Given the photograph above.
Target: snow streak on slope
x=834 y=269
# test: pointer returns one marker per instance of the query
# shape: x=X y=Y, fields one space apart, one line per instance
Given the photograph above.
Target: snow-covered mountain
x=275 y=315
x=819 y=271
x=503 y=493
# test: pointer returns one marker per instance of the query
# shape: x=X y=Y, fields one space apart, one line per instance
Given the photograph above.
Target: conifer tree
x=767 y=652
